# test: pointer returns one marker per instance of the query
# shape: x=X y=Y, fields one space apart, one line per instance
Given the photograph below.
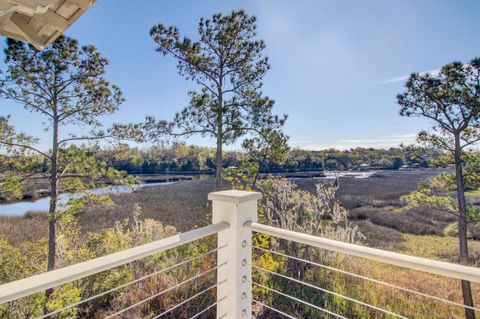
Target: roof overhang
x=39 y=22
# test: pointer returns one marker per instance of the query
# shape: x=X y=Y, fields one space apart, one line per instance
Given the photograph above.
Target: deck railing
x=444 y=269
x=234 y=220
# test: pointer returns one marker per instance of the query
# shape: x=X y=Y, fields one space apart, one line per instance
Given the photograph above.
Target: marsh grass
x=183 y=205
x=375 y=207
x=18 y=229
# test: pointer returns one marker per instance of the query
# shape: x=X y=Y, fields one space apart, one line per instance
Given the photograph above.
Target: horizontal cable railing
x=189 y=280
x=201 y=312
x=286 y=315
x=328 y=292
x=396 y=259
x=25 y=287
x=376 y=281
x=190 y=299
x=445 y=269
x=311 y=305
x=78 y=303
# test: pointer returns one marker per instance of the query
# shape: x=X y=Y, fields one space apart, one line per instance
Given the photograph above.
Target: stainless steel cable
x=209 y=307
x=165 y=291
x=453 y=303
x=130 y=283
x=274 y=309
x=299 y=300
x=189 y=299
x=331 y=292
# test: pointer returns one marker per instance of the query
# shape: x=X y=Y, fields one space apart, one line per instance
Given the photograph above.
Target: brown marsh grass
x=374 y=205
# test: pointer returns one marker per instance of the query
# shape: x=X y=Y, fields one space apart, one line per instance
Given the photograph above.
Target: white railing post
x=235 y=208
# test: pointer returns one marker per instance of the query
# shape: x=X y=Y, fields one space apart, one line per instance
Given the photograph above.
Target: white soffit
x=39 y=22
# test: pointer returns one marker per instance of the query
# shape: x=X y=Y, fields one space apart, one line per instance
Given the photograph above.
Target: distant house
x=364 y=167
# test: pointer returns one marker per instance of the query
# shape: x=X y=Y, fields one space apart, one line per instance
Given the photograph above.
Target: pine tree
x=228 y=65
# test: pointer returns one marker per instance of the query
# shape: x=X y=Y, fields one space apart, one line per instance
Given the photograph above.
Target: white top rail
x=417 y=263
x=25 y=287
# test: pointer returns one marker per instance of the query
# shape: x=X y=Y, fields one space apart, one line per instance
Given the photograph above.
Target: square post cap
x=234 y=196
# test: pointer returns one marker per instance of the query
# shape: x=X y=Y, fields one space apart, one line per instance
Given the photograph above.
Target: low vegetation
x=379 y=214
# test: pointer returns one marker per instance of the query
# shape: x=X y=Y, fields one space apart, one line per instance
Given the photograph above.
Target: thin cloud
x=344 y=144
x=403 y=78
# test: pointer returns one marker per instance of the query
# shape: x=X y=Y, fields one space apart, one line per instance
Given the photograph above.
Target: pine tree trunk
x=52 y=212
x=255 y=179
x=218 y=162
x=462 y=229
x=219 y=120
x=257 y=173
x=52 y=246
x=52 y=229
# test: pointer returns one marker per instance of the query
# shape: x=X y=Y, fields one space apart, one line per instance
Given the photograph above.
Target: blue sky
x=336 y=65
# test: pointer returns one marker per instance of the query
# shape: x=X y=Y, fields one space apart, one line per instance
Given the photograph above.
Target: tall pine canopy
x=228 y=64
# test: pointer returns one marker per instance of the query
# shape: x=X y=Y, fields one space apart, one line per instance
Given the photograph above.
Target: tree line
x=191 y=158
x=184 y=158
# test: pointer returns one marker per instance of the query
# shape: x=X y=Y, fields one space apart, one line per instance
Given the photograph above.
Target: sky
x=336 y=66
